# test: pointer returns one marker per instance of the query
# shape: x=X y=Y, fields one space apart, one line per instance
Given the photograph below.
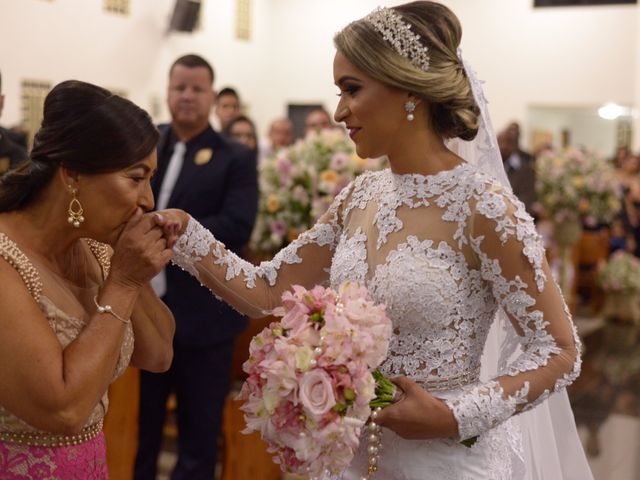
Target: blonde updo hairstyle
x=444 y=86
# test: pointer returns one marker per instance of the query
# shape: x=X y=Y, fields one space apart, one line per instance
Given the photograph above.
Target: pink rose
x=316 y=392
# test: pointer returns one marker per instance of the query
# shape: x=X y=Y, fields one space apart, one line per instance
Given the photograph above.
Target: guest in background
x=215 y=180
x=620 y=157
x=78 y=254
x=630 y=183
x=11 y=152
x=242 y=130
x=620 y=238
x=280 y=136
x=519 y=166
x=227 y=106
x=316 y=120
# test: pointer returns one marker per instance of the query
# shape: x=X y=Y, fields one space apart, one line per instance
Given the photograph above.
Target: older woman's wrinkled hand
x=140 y=252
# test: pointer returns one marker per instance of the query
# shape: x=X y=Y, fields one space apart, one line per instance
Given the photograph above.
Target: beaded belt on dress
x=41 y=439
x=450 y=383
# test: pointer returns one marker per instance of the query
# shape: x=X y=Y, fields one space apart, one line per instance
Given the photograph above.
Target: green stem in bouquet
x=386 y=393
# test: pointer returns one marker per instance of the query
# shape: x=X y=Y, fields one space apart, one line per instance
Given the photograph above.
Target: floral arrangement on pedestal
x=619 y=277
x=575 y=187
x=298 y=184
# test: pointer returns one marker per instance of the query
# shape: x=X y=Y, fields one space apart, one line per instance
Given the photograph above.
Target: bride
x=441 y=240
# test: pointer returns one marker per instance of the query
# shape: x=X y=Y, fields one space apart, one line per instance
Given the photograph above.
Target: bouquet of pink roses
x=311 y=384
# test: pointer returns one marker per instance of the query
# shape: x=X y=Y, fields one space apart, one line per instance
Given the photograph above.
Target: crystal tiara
x=398 y=34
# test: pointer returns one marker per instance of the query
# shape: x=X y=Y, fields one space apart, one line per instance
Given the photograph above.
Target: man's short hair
x=192 y=61
x=228 y=91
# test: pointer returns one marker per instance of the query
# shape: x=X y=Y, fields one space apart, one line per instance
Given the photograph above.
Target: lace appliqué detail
x=480 y=409
x=322 y=235
x=492 y=205
x=192 y=246
x=197 y=242
x=350 y=259
x=441 y=312
x=86 y=460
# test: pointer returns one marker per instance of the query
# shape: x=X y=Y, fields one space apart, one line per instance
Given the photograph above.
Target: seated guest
x=77 y=255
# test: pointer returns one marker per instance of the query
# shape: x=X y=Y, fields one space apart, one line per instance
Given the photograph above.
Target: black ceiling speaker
x=185 y=15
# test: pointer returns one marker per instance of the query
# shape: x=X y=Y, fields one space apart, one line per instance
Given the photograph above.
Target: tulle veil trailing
x=552 y=448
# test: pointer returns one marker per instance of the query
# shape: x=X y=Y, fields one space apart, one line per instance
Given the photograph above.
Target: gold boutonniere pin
x=203 y=156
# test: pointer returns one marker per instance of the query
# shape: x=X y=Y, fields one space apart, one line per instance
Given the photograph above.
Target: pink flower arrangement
x=575 y=185
x=298 y=184
x=311 y=377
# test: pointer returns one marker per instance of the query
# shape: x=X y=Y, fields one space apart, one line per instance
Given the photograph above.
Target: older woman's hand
x=140 y=252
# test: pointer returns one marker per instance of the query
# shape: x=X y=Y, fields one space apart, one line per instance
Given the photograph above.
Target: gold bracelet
x=109 y=310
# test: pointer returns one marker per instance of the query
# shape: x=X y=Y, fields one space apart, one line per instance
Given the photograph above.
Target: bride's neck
x=424 y=154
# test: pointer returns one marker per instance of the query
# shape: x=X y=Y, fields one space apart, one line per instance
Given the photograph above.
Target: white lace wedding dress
x=443 y=253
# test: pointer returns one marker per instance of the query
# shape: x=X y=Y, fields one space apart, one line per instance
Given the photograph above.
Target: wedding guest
x=443 y=243
x=214 y=179
x=227 y=106
x=630 y=183
x=519 y=165
x=317 y=119
x=11 y=151
x=242 y=130
x=75 y=305
x=620 y=157
x=280 y=136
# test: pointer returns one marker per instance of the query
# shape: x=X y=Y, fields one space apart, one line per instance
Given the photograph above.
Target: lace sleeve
x=256 y=290
x=512 y=261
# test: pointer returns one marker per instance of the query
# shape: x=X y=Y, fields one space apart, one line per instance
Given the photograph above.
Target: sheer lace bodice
x=66 y=308
x=444 y=253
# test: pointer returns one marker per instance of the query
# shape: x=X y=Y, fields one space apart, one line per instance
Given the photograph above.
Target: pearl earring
x=409 y=107
x=75 y=210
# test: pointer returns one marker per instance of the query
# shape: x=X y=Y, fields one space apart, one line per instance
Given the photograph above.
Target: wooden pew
x=244 y=457
x=121 y=425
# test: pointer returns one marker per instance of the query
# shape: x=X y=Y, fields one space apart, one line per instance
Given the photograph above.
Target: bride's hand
x=418 y=414
x=173 y=223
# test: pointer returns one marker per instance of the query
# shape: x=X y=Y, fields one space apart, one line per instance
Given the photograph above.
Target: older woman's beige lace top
x=67 y=308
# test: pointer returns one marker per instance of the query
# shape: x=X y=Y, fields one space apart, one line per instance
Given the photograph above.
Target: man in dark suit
x=11 y=152
x=215 y=180
x=519 y=165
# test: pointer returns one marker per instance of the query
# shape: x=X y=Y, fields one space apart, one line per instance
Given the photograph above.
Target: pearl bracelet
x=109 y=310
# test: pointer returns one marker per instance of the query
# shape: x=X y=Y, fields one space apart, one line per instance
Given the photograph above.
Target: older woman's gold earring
x=75 y=211
x=409 y=107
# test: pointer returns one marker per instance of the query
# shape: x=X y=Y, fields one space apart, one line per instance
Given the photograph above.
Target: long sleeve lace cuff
x=192 y=247
x=481 y=408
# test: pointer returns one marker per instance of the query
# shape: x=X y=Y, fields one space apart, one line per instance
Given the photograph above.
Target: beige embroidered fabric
x=66 y=307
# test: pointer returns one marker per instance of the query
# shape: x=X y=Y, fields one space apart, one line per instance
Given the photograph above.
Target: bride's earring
x=409 y=107
x=75 y=211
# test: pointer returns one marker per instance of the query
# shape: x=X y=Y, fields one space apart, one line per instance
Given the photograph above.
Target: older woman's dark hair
x=86 y=129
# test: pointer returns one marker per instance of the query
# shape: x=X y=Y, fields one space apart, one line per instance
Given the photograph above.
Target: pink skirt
x=86 y=461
